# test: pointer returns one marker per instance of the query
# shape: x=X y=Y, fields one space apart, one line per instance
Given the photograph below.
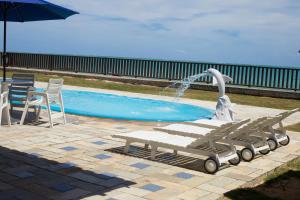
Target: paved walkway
x=81 y=160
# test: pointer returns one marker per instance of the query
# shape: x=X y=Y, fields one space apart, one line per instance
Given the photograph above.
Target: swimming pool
x=102 y=105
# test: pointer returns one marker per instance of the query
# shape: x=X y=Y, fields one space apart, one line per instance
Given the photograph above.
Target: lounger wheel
x=265 y=151
x=247 y=154
x=211 y=166
x=285 y=142
x=235 y=161
x=272 y=144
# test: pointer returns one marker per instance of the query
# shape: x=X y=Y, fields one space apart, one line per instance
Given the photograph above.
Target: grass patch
x=282 y=171
x=268 y=102
x=295 y=127
x=282 y=183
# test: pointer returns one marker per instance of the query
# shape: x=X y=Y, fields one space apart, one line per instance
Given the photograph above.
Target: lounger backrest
x=248 y=128
x=219 y=133
x=271 y=121
x=226 y=131
x=278 y=118
x=19 y=88
x=288 y=113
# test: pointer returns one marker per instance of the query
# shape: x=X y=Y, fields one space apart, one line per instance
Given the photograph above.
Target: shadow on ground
x=168 y=158
x=285 y=187
x=31 y=119
x=27 y=176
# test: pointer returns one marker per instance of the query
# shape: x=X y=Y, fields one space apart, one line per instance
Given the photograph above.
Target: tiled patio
x=81 y=160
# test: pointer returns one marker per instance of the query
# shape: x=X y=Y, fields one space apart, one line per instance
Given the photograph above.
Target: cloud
x=155 y=27
x=211 y=30
x=213 y=14
x=230 y=33
x=109 y=18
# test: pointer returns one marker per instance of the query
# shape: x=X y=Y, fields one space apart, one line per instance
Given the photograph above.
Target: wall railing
x=243 y=75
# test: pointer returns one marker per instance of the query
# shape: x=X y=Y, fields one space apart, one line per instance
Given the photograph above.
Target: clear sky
x=228 y=31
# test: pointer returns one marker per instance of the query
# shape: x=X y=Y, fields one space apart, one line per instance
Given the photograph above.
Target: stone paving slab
x=35 y=164
x=35 y=175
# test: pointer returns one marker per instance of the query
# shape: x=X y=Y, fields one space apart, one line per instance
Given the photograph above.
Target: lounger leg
x=281 y=128
x=24 y=113
x=175 y=152
x=8 y=116
x=272 y=131
x=127 y=146
x=146 y=146
x=217 y=158
x=153 y=152
x=252 y=148
x=232 y=147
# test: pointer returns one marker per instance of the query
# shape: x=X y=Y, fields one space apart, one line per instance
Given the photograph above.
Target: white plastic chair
x=52 y=95
x=4 y=104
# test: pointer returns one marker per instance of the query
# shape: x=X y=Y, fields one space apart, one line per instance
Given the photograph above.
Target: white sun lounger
x=278 y=136
x=207 y=145
x=250 y=136
x=274 y=136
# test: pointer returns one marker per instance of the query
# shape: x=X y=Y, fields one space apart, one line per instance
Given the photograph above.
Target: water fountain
x=224 y=110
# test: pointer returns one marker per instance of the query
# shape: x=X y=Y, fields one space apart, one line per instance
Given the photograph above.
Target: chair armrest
x=34 y=93
x=4 y=94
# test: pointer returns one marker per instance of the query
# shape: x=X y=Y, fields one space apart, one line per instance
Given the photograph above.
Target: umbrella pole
x=4 y=44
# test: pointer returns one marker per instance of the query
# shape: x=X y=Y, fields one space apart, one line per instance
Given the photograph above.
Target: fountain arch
x=224 y=109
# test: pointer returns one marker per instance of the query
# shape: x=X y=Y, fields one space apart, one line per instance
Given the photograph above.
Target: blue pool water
x=122 y=107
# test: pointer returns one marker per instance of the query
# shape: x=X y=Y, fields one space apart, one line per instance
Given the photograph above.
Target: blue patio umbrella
x=26 y=11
